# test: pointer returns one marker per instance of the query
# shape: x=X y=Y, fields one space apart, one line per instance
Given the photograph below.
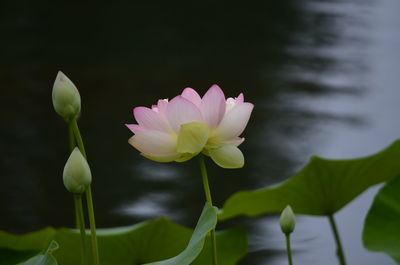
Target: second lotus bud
x=77 y=175
x=287 y=220
x=66 y=97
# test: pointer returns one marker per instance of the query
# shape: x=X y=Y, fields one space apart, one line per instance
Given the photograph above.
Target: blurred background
x=323 y=76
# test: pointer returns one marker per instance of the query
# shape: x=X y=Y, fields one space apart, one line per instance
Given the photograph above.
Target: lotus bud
x=77 y=175
x=287 y=220
x=66 y=98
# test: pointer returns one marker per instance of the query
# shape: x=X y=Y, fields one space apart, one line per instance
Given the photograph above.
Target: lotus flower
x=187 y=125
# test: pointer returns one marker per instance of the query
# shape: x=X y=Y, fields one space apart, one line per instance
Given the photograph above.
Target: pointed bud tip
x=60 y=76
x=287 y=220
x=76 y=152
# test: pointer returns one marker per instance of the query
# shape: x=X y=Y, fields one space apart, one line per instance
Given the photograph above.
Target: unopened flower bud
x=66 y=98
x=77 y=175
x=287 y=220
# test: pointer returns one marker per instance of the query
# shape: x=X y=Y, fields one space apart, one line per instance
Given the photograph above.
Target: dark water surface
x=323 y=77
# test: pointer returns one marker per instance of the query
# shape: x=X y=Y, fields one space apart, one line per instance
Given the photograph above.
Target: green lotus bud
x=287 y=220
x=66 y=98
x=77 y=175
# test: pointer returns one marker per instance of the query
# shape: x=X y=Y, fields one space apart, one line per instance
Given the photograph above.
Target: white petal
x=234 y=122
x=180 y=111
x=231 y=102
x=150 y=119
x=191 y=95
x=162 y=158
x=213 y=106
x=235 y=141
x=240 y=98
x=135 y=128
x=227 y=156
x=162 y=105
x=154 y=143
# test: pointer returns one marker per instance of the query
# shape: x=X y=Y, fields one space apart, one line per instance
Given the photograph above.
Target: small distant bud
x=66 y=98
x=77 y=175
x=287 y=220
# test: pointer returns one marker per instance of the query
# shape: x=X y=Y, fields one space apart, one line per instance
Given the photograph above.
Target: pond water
x=323 y=77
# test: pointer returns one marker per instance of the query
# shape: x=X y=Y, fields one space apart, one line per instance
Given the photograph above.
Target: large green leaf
x=322 y=187
x=146 y=242
x=231 y=247
x=15 y=249
x=206 y=223
x=46 y=258
x=382 y=224
x=11 y=256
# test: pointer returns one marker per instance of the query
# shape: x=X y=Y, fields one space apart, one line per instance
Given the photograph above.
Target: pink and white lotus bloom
x=187 y=125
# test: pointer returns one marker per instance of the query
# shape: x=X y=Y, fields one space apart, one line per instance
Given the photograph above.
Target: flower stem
x=89 y=198
x=209 y=200
x=289 y=249
x=92 y=223
x=72 y=145
x=81 y=224
x=71 y=136
x=78 y=137
x=339 y=250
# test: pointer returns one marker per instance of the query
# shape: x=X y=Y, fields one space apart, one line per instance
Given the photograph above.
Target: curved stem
x=81 y=224
x=89 y=198
x=289 y=249
x=339 y=250
x=78 y=137
x=207 y=192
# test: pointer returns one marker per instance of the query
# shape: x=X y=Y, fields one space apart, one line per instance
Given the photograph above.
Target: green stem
x=81 y=223
x=209 y=200
x=289 y=249
x=89 y=198
x=71 y=137
x=72 y=145
x=92 y=223
x=339 y=250
x=78 y=137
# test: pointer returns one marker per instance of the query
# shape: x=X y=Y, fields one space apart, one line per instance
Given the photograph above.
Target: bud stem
x=78 y=137
x=71 y=136
x=89 y=198
x=209 y=200
x=72 y=145
x=81 y=224
x=289 y=249
x=335 y=231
